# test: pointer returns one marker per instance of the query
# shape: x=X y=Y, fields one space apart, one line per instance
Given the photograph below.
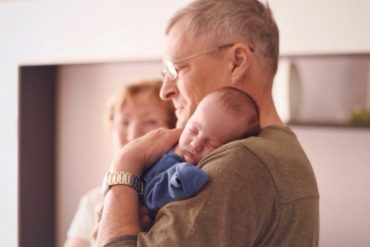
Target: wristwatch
x=122 y=178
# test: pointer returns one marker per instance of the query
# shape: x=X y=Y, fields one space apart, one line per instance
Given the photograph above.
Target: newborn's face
x=195 y=141
x=208 y=128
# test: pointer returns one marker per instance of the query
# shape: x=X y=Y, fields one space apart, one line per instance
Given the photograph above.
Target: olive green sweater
x=262 y=192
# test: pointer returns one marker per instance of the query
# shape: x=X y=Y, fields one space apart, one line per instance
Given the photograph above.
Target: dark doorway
x=37 y=156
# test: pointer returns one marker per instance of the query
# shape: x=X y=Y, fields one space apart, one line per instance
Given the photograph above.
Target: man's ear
x=240 y=61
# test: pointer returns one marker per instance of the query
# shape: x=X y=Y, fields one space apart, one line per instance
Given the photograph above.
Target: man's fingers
x=95 y=233
x=99 y=211
x=161 y=141
x=145 y=220
x=143 y=210
x=139 y=154
x=172 y=135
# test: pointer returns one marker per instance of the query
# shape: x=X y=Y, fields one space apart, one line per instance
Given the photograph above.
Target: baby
x=224 y=115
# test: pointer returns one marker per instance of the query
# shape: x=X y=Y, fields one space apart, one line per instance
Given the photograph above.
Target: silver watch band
x=122 y=178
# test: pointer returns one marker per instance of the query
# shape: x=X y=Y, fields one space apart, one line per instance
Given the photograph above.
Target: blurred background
x=61 y=60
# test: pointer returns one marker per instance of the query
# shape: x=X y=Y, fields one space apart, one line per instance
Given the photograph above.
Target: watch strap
x=122 y=178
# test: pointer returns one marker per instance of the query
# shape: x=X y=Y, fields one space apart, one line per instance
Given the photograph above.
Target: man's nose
x=169 y=89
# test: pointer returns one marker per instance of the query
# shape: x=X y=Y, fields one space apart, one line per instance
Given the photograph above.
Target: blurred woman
x=136 y=110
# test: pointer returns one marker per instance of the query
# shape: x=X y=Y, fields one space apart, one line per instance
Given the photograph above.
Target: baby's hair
x=240 y=105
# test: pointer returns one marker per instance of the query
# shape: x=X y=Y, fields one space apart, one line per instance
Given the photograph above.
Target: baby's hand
x=145 y=220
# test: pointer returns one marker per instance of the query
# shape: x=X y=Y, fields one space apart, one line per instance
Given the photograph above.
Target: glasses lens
x=172 y=72
x=164 y=73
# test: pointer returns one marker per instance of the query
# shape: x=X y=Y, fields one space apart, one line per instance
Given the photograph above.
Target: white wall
x=341 y=161
x=322 y=27
x=71 y=31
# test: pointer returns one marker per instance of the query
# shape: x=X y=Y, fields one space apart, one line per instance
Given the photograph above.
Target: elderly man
x=262 y=190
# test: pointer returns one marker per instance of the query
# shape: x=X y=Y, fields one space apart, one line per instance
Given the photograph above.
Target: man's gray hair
x=228 y=21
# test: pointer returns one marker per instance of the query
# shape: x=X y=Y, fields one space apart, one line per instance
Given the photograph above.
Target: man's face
x=196 y=77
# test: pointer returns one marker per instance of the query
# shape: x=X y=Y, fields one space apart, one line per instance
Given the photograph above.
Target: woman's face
x=138 y=116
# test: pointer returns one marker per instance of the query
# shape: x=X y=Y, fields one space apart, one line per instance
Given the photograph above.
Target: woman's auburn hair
x=132 y=90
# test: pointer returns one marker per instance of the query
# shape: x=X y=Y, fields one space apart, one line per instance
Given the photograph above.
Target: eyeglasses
x=170 y=70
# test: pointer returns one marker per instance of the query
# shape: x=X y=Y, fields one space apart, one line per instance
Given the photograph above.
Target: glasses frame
x=170 y=70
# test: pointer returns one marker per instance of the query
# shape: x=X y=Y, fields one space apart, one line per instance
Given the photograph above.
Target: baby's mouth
x=189 y=155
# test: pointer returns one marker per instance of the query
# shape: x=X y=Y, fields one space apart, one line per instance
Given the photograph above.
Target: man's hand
x=141 y=153
x=98 y=213
x=121 y=213
x=145 y=220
